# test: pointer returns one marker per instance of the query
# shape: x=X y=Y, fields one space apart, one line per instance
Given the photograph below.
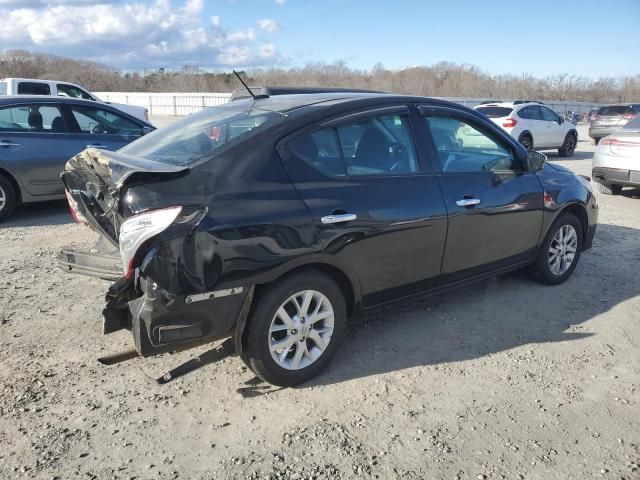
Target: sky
x=590 y=38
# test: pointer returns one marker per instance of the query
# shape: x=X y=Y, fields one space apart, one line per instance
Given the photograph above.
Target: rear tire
x=596 y=140
x=560 y=251
x=8 y=198
x=308 y=337
x=569 y=145
x=609 y=189
x=526 y=141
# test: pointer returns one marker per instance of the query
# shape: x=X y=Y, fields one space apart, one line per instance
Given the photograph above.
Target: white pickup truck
x=29 y=86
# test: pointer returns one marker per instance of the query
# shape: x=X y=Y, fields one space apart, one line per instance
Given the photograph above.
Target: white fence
x=180 y=104
x=171 y=104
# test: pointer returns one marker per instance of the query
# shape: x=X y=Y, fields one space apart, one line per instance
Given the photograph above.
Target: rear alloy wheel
x=569 y=146
x=526 y=141
x=609 y=189
x=560 y=251
x=295 y=327
x=7 y=198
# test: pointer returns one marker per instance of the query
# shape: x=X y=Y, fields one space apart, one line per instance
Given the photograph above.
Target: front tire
x=560 y=251
x=569 y=145
x=8 y=198
x=295 y=327
x=609 y=189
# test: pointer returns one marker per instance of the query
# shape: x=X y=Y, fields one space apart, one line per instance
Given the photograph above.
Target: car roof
x=14 y=99
x=242 y=93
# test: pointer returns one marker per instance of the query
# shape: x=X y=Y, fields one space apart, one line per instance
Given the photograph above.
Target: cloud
x=136 y=34
x=268 y=25
x=280 y=2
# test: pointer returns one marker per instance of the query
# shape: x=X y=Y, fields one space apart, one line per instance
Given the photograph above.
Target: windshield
x=495 y=112
x=197 y=137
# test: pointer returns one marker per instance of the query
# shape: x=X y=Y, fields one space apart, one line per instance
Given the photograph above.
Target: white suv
x=534 y=125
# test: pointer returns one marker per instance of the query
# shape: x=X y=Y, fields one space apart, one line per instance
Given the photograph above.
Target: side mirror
x=560 y=120
x=535 y=160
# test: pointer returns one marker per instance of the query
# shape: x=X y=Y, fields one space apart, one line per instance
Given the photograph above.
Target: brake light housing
x=73 y=207
x=629 y=116
x=509 y=122
x=137 y=230
x=616 y=142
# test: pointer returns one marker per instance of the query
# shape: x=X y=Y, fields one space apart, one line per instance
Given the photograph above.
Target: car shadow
x=577 y=155
x=491 y=316
x=39 y=214
x=630 y=192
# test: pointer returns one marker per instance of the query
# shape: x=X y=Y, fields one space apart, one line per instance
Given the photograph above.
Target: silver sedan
x=616 y=161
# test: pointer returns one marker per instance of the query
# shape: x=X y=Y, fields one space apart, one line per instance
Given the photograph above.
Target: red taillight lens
x=594 y=118
x=509 y=123
x=73 y=206
x=629 y=116
x=616 y=142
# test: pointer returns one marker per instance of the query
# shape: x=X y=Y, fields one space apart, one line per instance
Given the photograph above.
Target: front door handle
x=7 y=143
x=468 y=202
x=345 y=217
x=96 y=145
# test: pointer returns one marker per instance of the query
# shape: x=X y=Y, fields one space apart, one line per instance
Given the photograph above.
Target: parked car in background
x=616 y=161
x=272 y=220
x=534 y=125
x=610 y=118
x=29 y=86
x=39 y=134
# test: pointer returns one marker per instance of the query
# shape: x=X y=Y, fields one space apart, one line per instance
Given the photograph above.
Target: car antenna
x=253 y=95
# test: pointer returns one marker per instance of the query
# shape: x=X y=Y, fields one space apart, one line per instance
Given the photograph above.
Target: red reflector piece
x=213 y=133
x=548 y=200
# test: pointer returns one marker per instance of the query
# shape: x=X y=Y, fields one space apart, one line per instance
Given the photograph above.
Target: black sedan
x=273 y=220
x=38 y=134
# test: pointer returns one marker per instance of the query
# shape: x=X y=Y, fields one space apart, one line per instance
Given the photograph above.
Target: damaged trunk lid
x=96 y=180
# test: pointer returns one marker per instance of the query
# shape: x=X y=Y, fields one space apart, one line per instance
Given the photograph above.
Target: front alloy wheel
x=294 y=328
x=560 y=251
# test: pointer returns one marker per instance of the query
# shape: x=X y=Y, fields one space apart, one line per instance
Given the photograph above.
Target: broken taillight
x=136 y=230
x=73 y=206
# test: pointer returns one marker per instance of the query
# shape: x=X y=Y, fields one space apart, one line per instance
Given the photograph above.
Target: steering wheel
x=98 y=128
x=399 y=157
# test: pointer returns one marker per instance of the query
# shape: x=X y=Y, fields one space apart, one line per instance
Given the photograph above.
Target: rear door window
x=531 y=112
x=33 y=88
x=379 y=145
x=495 y=112
x=32 y=118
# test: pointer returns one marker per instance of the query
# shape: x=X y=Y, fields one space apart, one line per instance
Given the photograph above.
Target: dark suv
x=274 y=220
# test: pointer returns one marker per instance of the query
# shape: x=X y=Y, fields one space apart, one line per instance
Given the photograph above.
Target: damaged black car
x=272 y=220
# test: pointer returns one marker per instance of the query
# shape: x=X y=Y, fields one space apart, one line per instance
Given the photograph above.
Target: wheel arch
x=346 y=281
x=580 y=212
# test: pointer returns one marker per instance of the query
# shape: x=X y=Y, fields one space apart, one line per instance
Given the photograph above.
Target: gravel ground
x=506 y=379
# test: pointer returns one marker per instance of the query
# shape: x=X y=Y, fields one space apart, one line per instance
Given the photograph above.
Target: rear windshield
x=495 y=112
x=614 y=110
x=197 y=137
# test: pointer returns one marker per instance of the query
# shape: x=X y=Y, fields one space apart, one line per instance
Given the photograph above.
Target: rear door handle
x=7 y=143
x=96 y=145
x=468 y=202
x=345 y=217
